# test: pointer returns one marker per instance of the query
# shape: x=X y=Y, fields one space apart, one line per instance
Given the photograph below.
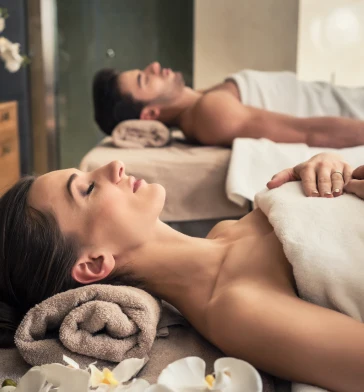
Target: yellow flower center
x=210 y=380
x=109 y=378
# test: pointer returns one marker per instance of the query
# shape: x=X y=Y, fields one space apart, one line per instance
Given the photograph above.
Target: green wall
x=139 y=32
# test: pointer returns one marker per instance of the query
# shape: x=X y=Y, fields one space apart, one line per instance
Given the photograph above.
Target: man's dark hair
x=111 y=106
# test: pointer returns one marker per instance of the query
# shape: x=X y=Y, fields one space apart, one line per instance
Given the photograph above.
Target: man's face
x=154 y=84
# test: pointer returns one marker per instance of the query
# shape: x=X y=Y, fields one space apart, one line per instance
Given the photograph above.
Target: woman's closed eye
x=89 y=189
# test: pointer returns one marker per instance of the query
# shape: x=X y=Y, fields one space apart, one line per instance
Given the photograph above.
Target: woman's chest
x=255 y=257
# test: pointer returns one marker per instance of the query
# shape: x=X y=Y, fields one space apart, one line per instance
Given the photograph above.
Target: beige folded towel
x=99 y=321
x=140 y=134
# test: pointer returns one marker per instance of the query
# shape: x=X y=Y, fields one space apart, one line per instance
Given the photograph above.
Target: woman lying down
x=294 y=312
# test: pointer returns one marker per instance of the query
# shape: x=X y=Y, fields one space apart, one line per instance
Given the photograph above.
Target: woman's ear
x=93 y=267
x=150 y=113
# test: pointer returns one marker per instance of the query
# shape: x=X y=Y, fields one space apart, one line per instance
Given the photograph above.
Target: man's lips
x=166 y=71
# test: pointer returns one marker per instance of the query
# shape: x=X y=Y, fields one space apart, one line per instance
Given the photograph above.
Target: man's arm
x=220 y=118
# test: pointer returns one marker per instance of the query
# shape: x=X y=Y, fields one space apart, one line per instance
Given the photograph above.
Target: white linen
x=282 y=92
x=323 y=239
x=254 y=161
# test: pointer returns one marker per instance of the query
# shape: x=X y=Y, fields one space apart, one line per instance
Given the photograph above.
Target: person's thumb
x=281 y=178
x=358 y=173
x=356 y=187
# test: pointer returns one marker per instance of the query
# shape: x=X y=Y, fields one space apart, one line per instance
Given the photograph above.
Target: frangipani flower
x=115 y=380
x=188 y=375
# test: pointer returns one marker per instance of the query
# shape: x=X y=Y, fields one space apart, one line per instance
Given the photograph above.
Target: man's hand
x=356 y=184
x=324 y=175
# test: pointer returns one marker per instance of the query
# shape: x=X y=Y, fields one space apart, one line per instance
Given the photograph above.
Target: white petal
x=32 y=381
x=65 y=378
x=13 y=66
x=71 y=362
x=2 y=27
x=186 y=372
x=159 y=388
x=128 y=369
x=96 y=376
x=222 y=381
x=243 y=375
x=8 y=388
x=137 y=385
x=48 y=388
x=103 y=388
x=4 y=43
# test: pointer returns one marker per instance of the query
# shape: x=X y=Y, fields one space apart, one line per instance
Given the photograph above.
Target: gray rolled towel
x=140 y=134
x=99 y=321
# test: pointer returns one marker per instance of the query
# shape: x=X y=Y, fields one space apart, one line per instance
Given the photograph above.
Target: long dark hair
x=36 y=259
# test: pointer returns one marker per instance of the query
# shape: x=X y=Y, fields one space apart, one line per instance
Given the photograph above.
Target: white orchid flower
x=9 y=53
x=8 y=388
x=2 y=24
x=116 y=379
x=188 y=375
x=123 y=373
x=53 y=377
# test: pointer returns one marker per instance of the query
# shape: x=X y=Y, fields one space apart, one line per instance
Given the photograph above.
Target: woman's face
x=104 y=208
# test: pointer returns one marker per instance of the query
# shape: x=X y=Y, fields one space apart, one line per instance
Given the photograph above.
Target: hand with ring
x=324 y=175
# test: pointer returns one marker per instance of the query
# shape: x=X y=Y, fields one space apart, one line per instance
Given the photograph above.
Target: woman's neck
x=178 y=268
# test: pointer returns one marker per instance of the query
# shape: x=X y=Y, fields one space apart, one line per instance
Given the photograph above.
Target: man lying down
x=281 y=288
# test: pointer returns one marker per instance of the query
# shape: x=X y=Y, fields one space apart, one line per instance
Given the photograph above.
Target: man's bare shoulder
x=216 y=116
x=213 y=106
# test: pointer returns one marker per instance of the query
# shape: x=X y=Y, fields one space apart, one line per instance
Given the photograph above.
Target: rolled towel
x=140 y=134
x=100 y=321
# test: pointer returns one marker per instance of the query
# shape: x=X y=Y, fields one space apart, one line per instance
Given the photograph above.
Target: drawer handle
x=5 y=116
x=6 y=150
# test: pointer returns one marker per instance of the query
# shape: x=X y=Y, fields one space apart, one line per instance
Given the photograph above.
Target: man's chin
x=179 y=78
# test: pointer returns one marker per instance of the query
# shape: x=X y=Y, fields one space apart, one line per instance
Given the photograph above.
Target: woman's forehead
x=47 y=186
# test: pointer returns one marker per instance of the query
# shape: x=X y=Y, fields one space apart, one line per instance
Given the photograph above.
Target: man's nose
x=154 y=67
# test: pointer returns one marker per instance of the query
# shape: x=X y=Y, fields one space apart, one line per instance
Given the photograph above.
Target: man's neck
x=177 y=112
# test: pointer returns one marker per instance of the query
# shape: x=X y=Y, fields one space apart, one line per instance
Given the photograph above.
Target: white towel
x=323 y=239
x=254 y=161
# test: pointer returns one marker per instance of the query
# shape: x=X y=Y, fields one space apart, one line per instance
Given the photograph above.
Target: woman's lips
x=137 y=185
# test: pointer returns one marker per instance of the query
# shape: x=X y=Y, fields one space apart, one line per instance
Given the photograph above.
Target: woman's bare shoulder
x=219 y=228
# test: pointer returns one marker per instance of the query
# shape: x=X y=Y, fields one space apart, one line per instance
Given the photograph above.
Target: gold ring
x=342 y=175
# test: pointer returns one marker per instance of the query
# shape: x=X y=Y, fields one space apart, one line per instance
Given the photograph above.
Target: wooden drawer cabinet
x=9 y=145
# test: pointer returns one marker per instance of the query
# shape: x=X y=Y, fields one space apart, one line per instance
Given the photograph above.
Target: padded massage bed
x=193 y=175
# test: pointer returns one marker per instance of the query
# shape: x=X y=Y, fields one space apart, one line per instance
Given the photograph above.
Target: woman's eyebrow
x=139 y=80
x=69 y=184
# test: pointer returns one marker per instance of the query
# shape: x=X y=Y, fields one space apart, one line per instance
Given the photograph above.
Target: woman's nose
x=115 y=170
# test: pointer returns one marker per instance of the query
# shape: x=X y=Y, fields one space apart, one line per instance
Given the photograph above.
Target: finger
x=358 y=173
x=308 y=178
x=324 y=182
x=348 y=172
x=281 y=178
x=356 y=187
x=337 y=181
